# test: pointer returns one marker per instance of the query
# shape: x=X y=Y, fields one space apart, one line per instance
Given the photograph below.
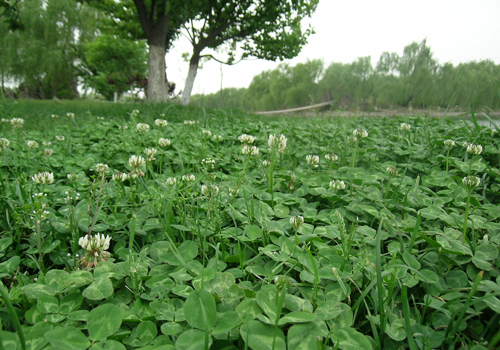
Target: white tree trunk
x=157 y=87
x=188 y=88
x=115 y=97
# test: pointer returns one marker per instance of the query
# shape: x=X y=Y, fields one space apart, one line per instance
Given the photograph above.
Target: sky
x=456 y=31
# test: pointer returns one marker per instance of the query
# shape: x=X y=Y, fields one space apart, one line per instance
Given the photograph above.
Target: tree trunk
x=157 y=87
x=193 y=69
x=115 y=97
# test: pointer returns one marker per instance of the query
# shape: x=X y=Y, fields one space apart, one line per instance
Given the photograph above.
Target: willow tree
x=265 y=29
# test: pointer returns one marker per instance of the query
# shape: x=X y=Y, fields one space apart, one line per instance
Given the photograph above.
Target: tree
x=113 y=65
x=265 y=29
x=11 y=15
x=159 y=23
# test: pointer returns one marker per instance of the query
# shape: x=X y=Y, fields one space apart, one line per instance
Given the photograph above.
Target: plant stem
x=466 y=217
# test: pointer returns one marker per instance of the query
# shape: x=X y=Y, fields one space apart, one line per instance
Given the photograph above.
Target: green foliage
x=406 y=258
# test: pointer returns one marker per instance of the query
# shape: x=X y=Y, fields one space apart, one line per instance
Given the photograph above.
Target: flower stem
x=466 y=218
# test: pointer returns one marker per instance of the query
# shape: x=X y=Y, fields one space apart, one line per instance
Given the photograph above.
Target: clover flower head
x=449 y=143
x=277 y=142
x=134 y=113
x=210 y=190
x=32 y=144
x=17 y=123
x=44 y=178
x=142 y=127
x=250 y=150
x=122 y=127
x=4 y=120
x=360 y=133
x=100 y=118
x=405 y=127
x=337 y=185
x=217 y=137
x=474 y=149
x=71 y=115
x=296 y=222
x=171 y=181
x=101 y=168
x=191 y=122
x=120 y=177
x=161 y=123
x=233 y=191
x=188 y=178
x=54 y=116
x=207 y=133
x=392 y=170
x=246 y=139
x=332 y=157
x=71 y=177
x=208 y=162
x=95 y=249
x=60 y=138
x=164 y=142
x=266 y=163
x=471 y=181
x=4 y=143
x=46 y=143
x=150 y=153
x=136 y=161
x=312 y=160
x=47 y=152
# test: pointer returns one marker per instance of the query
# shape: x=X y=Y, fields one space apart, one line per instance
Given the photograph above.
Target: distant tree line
x=413 y=79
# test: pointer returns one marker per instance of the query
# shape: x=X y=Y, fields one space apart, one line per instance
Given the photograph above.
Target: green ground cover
x=120 y=231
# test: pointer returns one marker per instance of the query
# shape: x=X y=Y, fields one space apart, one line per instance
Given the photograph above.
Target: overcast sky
x=456 y=31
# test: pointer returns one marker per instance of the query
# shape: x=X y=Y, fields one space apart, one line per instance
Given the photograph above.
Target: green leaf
x=35 y=290
x=200 y=310
x=228 y=321
x=248 y=309
x=104 y=321
x=170 y=328
x=253 y=232
x=99 y=289
x=35 y=339
x=108 y=344
x=260 y=336
x=146 y=331
x=9 y=266
x=305 y=336
x=411 y=260
x=70 y=302
x=48 y=304
x=297 y=317
x=349 y=339
x=192 y=339
x=67 y=338
x=427 y=276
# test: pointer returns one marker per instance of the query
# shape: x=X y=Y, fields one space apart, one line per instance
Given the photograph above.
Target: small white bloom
x=164 y=142
x=120 y=177
x=337 y=185
x=44 y=178
x=150 y=153
x=474 y=149
x=161 y=123
x=71 y=115
x=312 y=160
x=405 y=127
x=296 y=221
x=392 y=170
x=71 y=177
x=277 y=142
x=208 y=162
x=54 y=116
x=207 y=133
x=471 y=181
x=136 y=161
x=188 y=178
x=332 y=157
x=449 y=143
x=250 y=150
x=4 y=143
x=101 y=168
x=217 y=137
x=60 y=138
x=48 y=152
x=142 y=127
x=17 y=123
x=246 y=139
x=32 y=144
x=266 y=163
x=171 y=181
x=360 y=133
x=210 y=190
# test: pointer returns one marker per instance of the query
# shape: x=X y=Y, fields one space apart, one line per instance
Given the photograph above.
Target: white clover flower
x=44 y=178
x=134 y=113
x=32 y=144
x=39 y=195
x=312 y=160
x=449 y=143
x=233 y=191
x=246 y=139
x=95 y=247
x=100 y=118
x=142 y=127
x=46 y=143
x=471 y=181
x=171 y=181
x=250 y=150
x=360 y=133
x=164 y=142
x=120 y=177
x=277 y=142
x=191 y=122
x=266 y=163
x=150 y=153
x=392 y=170
x=4 y=120
x=54 y=116
x=188 y=178
x=71 y=115
x=48 y=152
x=210 y=190
x=332 y=157
x=474 y=149
x=136 y=161
x=405 y=127
x=71 y=177
x=161 y=123
x=17 y=123
x=101 y=168
x=296 y=222
x=122 y=127
x=208 y=162
x=207 y=133
x=217 y=137
x=60 y=138
x=4 y=143
x=337 y=185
